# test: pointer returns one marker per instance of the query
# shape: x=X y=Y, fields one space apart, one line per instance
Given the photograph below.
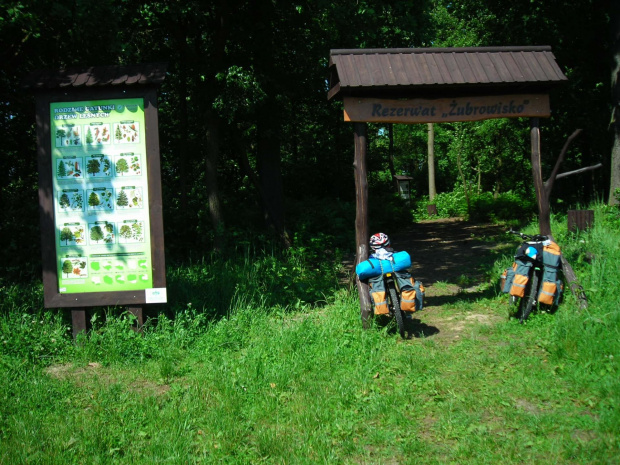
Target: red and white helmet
x=379 y=240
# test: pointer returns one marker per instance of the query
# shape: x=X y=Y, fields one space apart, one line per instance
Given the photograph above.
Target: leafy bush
x=387 y=211
x=37 y=338
x=508 y=206
x=311 y=218
x=449 y=205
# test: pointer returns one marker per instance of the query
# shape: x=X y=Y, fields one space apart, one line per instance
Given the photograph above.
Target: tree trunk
x=432 y=190
x=213 y=193
x=614 y=184
x=269 y=172
x=361 y=217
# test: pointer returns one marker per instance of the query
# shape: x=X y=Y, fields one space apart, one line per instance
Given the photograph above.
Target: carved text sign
x=441 y=110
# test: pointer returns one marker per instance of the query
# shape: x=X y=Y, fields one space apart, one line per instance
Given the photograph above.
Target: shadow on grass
x=459 y=297
x=415 y=328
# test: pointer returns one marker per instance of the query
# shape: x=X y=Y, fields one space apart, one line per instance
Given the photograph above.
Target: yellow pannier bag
x=548 y=292
x=381 y=307
x=521 y=277
x=408 y=301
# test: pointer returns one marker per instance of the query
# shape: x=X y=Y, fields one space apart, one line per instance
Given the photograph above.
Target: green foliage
x=449 y=205
x=29 y=335
x=322 y=224
x=507 y=206
x=387 y=212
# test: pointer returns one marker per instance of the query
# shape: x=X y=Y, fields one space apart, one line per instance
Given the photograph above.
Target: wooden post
x=542 y=196
x=580 y=219
x=137 y=312
x=78 y=321
x=432 y=190
x=361 y=217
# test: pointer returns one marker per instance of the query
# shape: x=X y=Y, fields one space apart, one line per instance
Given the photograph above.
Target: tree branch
x=580 y=170
x=549 y=183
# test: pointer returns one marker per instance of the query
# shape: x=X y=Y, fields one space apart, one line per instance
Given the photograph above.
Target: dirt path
x=450 y=256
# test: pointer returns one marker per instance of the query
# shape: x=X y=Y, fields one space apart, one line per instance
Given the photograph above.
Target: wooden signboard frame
x=53 y=298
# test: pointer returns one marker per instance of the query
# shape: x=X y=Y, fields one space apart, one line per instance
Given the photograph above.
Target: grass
x=268 y=383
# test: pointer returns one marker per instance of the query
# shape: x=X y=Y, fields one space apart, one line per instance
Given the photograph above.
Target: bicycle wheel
x=527 y=303
x=398 y=313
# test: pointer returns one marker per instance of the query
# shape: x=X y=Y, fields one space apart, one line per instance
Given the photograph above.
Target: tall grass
x=252 y=379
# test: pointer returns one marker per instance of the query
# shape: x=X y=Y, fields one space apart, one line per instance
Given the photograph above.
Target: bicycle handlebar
x=527 y=237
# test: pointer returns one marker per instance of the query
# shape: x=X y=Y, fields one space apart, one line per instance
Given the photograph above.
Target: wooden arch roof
x=425 y=71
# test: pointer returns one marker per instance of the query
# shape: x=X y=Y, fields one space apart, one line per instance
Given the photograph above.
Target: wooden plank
x=455 y=76
x=398 y=69
x=465 y=67
x=516 y=73
x=434 y=69
x=411 y=69
x=78 y=321
x=475 y=108
x=443 y=69
x=580 y=220
x=524 y=66
x=502 y=71
x=156 y=215
x=489 y=69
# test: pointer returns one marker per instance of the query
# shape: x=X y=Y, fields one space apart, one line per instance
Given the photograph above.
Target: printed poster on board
x=100 y=196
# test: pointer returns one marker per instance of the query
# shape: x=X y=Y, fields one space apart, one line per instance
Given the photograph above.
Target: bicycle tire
x=531 y=298
x=398 y=313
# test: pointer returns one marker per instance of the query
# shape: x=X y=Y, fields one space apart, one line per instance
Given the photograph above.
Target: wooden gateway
x=434 y=85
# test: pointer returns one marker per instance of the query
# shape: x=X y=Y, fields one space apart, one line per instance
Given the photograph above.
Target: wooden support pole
x=78 y=321
x=361 y=217
x=137 y=312
x=542 y=196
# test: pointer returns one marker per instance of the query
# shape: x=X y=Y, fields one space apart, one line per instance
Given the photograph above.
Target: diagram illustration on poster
x=97 y=134
x=100 y=196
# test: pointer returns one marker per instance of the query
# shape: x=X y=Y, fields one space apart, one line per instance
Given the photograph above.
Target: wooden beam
x=78 y=321
x=361 y=217
x=542 y=197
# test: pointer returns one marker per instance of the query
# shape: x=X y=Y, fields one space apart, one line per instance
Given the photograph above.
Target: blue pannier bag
x=374 y=267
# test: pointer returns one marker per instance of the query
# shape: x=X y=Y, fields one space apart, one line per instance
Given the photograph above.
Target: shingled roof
x=113 y=75
x=362 y=72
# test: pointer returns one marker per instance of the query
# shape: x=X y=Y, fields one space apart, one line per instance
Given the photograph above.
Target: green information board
x=100 y=196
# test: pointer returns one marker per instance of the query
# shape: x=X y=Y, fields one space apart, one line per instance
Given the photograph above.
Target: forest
x=249 y=143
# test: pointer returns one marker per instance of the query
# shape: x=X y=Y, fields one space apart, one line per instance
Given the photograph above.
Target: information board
x=100 y=196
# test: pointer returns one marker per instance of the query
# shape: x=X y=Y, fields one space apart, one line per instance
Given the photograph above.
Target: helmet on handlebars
x=379 y=240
